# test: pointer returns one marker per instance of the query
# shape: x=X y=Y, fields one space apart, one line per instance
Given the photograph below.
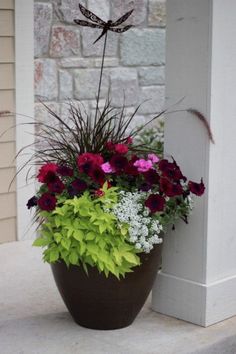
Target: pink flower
x=143 y=165
x=154 y=158
x=107 y=168
x=121 y=149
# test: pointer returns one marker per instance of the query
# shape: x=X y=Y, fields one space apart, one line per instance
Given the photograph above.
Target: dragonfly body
x=97 y=22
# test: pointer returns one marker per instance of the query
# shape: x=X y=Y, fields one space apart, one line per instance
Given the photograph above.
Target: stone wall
x=67 y=63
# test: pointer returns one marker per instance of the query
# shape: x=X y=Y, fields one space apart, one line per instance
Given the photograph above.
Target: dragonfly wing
x=87 y=24
x=122 y=19
x=120 y=30
x=91 y=16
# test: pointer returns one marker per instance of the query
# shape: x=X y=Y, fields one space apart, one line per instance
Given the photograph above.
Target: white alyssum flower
x=144 y=231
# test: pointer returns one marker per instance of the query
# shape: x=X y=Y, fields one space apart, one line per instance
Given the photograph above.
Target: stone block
x=42 y=26
x=89 y=35
x=65 y=85
x=75 y=62
x=143 y=47
x=124 y=87
x=45 y=79
x=157 y=13
x=101 y=8
x=65 y=41
x=154 y=75
x=109 y=62
x=69 y=10
x=152 y=99
x=120 y=7
x=86 y=84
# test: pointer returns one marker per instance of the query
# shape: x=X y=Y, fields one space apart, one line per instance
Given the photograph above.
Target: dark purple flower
x=170 y=170
x=78 y=186
x=97 y=175
x=131 y=170
x=151 y=177
x=119 y=162
x=50 y=177
x=65 y=171
x=86 y=167
x=145 y=187
x=163 y=165
x=32 y=202
x=170 y=189
x=56 y=187
x=155 y=203
x=197 y=188
x=47 y=202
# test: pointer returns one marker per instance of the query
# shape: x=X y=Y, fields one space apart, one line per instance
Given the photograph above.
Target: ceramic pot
x=97 y=302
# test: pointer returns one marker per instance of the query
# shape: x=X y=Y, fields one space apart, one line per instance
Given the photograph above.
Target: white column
x=198 y=279
x=24 y=73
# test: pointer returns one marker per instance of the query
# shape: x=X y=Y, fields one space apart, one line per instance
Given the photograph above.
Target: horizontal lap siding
x=7 y=4
x=7 y=51
x=8 y=230
x=7 y=122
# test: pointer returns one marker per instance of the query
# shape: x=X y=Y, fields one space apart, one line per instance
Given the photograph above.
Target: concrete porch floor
x=34 y=320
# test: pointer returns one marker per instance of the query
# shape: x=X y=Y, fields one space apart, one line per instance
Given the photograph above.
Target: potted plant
x=104 y=203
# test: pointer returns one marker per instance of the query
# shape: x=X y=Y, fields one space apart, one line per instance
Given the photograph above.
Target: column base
x=201 y=304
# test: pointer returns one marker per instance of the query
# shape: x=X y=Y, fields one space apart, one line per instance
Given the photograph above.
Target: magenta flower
x=154 y=158
x=107 y=168
x=143 y=165
x=121 y=149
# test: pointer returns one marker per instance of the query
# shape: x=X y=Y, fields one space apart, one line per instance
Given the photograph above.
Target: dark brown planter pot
x=98 y=302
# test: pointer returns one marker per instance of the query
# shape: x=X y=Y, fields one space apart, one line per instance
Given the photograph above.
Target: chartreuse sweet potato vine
x=80 y=232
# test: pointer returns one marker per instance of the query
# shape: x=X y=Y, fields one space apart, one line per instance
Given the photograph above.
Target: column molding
x=198 y=279
x=24 y=97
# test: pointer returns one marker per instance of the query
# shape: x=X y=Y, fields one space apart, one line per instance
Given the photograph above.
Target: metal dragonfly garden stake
x=97 y=22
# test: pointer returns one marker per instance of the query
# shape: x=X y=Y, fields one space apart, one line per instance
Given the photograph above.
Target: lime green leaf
x=123 y=230
x=81 y=248
x=66 y=243
x=73 y=258
x=40 y=242
x=57 y=221
x=78 y=235
x=92 y=248
x=102 y=228
x=70 y=231
x=54 y=255
x=131 y=258
x=90 y=236
x=57 y=237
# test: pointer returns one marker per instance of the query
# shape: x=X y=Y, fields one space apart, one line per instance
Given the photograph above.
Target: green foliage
x=176 y=208
x=80 y=232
